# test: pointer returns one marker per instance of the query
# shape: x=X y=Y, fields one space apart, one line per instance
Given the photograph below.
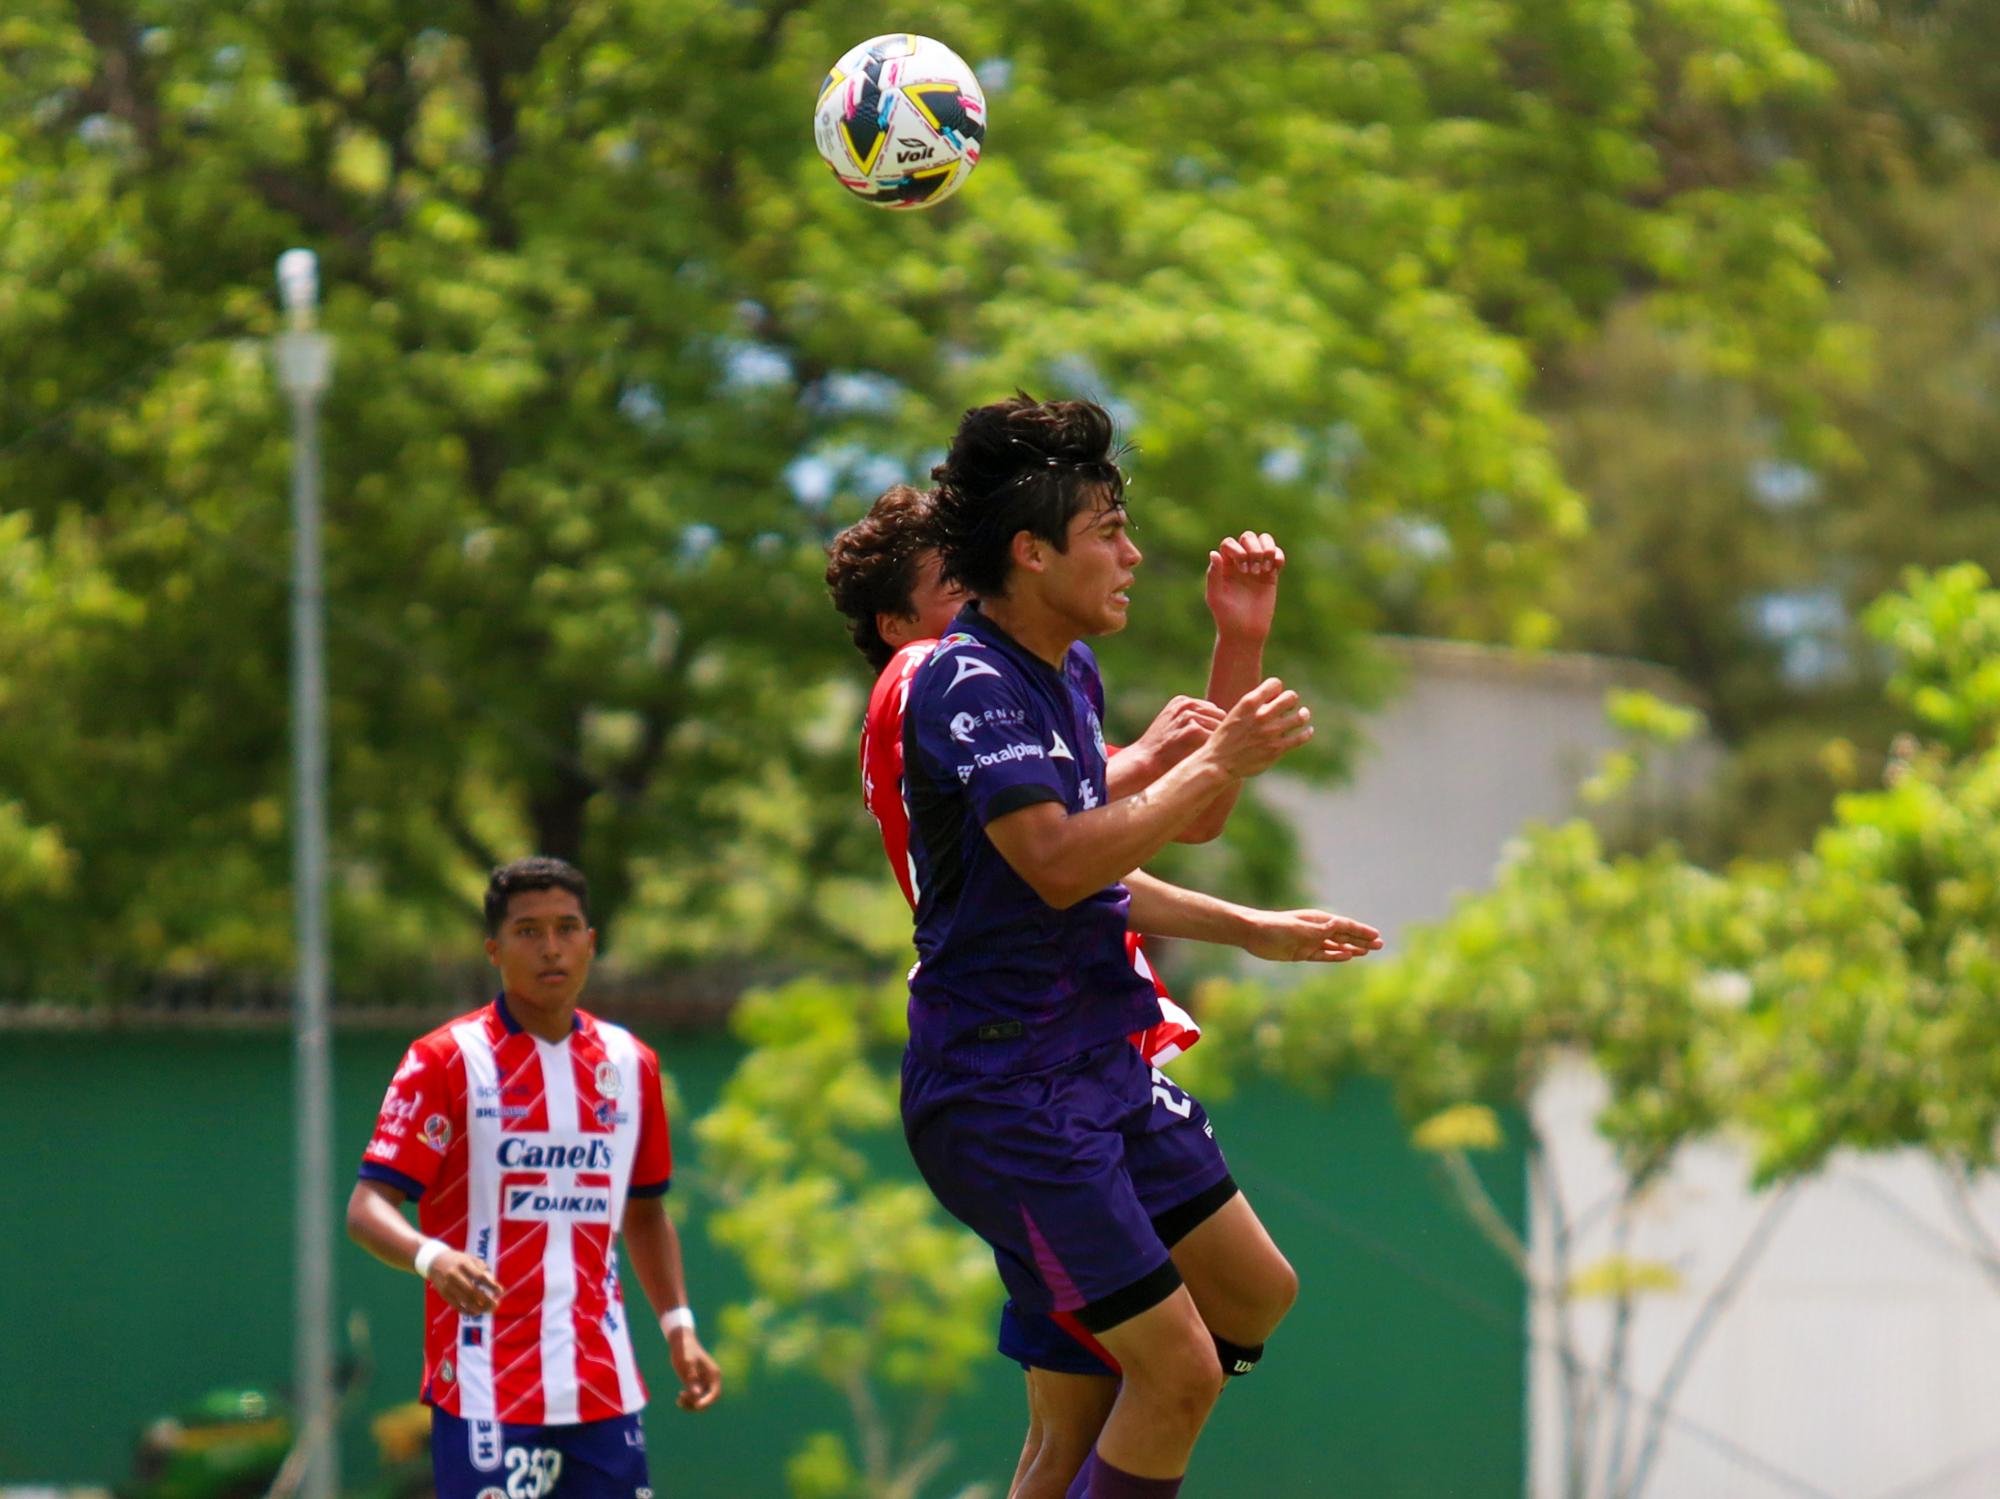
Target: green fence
x=145 y=1258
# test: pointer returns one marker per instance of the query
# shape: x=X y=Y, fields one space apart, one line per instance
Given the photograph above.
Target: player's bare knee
x=1204 y=1381
x=1265 y=1304
x=1189 y=1382
x=1284 y=1290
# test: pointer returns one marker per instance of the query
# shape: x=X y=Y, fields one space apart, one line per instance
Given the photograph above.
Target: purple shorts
x=1064 y=1172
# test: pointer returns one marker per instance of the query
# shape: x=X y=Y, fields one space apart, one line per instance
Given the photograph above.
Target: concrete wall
x=1478 y=742
x=1856 y=1354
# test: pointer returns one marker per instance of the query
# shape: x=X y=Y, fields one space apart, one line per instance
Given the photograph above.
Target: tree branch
x=463 y=837
x=1958 y=1196
x=1485 y=1213
x=1612 y=1379
x=1575 y=1440
x=505 y=49
x=1704 y=1323
x=868 y=1426
x=121 y=87
x=909 y=1481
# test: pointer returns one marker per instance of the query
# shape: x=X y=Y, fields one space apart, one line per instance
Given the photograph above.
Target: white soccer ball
x=900 y=119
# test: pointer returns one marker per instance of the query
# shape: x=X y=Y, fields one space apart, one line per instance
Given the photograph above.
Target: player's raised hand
x=1242 y=585
x=465 y=1282
x=1311 y=937
x=1177 y=731
x=1267 y=723
x=700 y=1376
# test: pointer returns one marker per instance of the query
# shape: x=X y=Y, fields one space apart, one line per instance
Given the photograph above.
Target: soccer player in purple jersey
x=883 y=575
x=1097 y=1181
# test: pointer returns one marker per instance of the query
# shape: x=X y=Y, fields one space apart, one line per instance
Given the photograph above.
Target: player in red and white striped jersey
x=529 y=1133
x=885 y=582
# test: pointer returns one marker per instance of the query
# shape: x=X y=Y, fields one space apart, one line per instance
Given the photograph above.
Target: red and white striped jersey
x=524 y=1152
x=882 y=760
x=882 y=792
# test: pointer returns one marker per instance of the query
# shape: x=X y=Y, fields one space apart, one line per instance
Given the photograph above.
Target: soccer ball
x=900 y=119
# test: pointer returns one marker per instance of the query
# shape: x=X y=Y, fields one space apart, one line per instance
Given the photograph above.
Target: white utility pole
x=304 y=358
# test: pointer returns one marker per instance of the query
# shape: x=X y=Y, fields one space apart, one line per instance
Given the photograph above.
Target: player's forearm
x=1129 y=772
x=655 y=1251
x=1235 y=666
x=1068 y=857
x=378 y=1226
x=1161 y=909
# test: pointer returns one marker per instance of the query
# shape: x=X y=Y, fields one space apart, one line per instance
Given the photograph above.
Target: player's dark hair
x=1020 y=465
x=526 y=875
x=871 y=567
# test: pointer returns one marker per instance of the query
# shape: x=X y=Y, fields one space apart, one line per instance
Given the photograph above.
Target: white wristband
x=677 y=1316
x=427 y=1253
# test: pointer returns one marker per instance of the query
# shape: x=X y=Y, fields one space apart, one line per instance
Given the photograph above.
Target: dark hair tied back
x=1020 y=465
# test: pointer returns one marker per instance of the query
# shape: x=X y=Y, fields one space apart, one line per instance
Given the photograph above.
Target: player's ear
x=493 y=951
x=896 y=630
x=1029 y=551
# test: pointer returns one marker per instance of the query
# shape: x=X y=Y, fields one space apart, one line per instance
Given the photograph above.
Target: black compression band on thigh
x=1176 y=1223
x=1145 y=1293
x=1236 y=1358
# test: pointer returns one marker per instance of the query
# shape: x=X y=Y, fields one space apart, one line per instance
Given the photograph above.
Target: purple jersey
x=1004 y=982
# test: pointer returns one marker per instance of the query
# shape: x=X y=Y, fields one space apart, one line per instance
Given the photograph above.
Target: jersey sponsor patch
x=482 y=1444
x=964 y=668
x=555 y=1202
x=1001 y=756
x=555 y=1150
x=437 y=1133
x=964 y=725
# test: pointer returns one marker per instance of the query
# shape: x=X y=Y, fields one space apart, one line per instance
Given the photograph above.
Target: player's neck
x=541 y=1021
x=1035 y=627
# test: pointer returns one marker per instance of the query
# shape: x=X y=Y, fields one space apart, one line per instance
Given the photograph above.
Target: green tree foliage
x=1631 y=963
x=1847 y=998
x=615 y=356
x=1740 y=546
x=1878 y=1014
x=857 y=1278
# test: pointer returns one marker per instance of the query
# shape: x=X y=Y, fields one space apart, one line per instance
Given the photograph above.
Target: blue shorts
x=583 y=1460
x=1036 y=1341
x=1063 y=1171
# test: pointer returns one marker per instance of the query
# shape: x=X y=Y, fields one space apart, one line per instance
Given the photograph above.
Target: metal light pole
x=304 y=358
